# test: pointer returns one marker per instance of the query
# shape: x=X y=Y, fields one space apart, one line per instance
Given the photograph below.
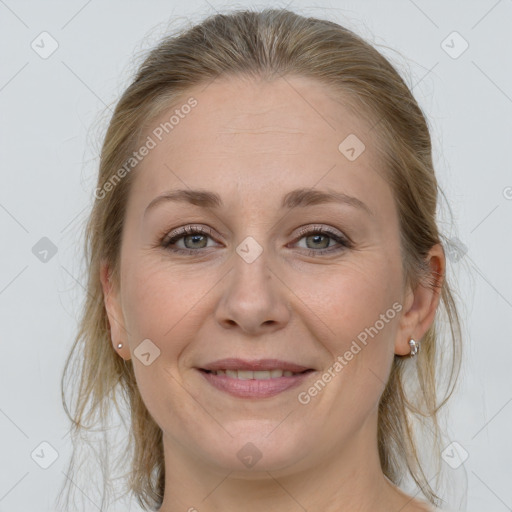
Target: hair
x=269 y=44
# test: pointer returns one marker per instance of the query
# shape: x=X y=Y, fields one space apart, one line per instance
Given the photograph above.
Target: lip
x=254 y=365
x=254 y=388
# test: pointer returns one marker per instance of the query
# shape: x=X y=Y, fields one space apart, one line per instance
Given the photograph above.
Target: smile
x=254 y=384
x=257 y=375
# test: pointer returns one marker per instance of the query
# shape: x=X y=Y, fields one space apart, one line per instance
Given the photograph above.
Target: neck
x=344 y=478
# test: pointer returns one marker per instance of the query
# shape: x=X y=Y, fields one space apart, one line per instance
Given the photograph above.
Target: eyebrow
x=297 y=198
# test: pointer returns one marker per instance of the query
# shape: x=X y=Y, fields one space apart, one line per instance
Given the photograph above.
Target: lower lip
x=253 y=388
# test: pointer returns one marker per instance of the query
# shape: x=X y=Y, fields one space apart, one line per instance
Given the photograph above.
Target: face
x=263 y=272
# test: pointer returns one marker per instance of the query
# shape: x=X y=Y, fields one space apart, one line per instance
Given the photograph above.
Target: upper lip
x=254 y=365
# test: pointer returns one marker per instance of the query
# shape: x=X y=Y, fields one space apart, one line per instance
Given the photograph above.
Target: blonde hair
x=267 y=44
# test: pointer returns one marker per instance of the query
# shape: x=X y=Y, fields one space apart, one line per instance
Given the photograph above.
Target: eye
x=318 y=240
x=194 y=238
x=191 y=239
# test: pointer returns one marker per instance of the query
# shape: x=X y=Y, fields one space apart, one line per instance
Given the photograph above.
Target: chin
x=256 y=448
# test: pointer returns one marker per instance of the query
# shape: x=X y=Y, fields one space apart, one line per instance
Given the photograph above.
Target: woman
x=266 y=272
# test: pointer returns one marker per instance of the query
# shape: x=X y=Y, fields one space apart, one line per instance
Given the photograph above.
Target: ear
x=112 y=302
x=420 y=305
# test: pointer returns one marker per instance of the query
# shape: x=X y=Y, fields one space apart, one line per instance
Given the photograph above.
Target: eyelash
x=176 y=235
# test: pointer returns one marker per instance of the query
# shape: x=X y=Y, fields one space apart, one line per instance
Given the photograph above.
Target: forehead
x=243 y=134
x=232 y=110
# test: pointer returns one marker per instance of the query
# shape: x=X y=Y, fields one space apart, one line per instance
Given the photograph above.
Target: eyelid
x=179 y=233
x=186 y=230
x=320 y=227
x=343 y=242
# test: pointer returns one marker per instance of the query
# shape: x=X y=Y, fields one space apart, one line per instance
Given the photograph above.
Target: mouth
x=255 y=375
x=255 y=379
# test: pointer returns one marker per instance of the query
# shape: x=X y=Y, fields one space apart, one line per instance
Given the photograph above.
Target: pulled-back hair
x=267 y=45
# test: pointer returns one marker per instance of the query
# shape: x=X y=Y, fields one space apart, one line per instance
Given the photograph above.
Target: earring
x=415 y=346
x=120 y=345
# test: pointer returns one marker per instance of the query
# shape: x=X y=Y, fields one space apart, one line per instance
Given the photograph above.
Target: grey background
x=53 y=115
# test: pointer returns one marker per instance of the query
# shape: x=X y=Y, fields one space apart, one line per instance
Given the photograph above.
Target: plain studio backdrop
x=64 y=65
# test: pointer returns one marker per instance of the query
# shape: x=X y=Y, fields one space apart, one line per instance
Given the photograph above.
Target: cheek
x=159 y=305
x=359 y=305
x=147 y=302
x=352 y=298
x=156 y=297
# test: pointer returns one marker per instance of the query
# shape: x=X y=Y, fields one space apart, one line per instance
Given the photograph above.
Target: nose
x=254 y=298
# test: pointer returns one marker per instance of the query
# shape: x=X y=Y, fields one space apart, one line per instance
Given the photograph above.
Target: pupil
x=195 y=238
x=316 y=237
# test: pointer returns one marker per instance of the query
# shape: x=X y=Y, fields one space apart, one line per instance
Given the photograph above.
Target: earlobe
x=114 y=312
x=421 y=304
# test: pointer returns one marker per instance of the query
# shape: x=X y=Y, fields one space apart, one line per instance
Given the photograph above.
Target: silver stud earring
x=120 y=345
x=415 y=346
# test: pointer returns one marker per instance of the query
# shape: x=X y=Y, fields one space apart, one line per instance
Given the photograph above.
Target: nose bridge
x=250 y=250
x=252 y=297
x=251 y=274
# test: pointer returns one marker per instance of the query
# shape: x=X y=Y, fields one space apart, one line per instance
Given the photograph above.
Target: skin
x=252 y=143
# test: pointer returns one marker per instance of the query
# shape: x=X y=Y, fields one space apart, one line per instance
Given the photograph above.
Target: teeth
x=258 y=375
